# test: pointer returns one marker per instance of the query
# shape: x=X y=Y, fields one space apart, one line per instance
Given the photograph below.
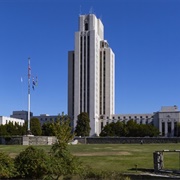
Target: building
x=21 y=115
x=91 y=73
x=44 y=118
x=166 y=120
x=145 y=118
x=5 y=120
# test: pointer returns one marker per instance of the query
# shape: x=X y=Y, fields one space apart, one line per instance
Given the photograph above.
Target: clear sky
x=144 y=35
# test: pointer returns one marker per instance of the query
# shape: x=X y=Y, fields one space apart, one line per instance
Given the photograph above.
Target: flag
x=34 y=83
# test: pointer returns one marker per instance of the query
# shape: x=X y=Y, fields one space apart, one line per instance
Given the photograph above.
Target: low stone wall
x=49 y=140
x=39 y=140
x=28 y=140
x=126 y=140
x=16 y=140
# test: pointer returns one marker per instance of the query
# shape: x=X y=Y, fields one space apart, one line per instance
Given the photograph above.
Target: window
x=175 y=129
x=86 y=26
x=118 y=117
x=163 y=128
x=169 y=128
x=101 y=125
x=113 y=117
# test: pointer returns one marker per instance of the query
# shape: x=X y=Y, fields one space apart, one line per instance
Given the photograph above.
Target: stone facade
x=38 y=140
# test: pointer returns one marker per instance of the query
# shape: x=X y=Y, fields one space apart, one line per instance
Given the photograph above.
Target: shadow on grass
x=142 y=170
x=149 y=174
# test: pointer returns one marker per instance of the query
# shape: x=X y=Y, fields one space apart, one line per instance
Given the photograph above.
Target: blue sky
x=144 y=35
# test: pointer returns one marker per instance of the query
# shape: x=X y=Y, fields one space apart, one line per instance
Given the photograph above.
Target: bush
x=62 y=163
x=7 y=169
x=32 y=163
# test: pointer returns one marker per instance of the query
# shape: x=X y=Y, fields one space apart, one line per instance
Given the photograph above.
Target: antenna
x=80 y=10
x=91 y=10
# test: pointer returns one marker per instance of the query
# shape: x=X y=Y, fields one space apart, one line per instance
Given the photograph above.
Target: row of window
x=20 y=123
x=130 y=117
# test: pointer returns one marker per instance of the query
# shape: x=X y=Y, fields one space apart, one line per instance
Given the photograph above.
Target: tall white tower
x=91 y=73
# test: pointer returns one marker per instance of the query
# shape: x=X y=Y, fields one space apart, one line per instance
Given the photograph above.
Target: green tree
x=83 y=125
x=47 y=129
x=130 y=129
x=7 y=169
x=32 y=163
x=62 y=162
x=3 y=131
x=11 y=129
x=35 y=126
x=114 y=129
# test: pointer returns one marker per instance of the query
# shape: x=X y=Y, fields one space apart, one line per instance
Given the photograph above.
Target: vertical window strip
x=104 y=83
x=100 y=84
x=73 y=86
x=88 y=74
x=81 y=75
x=84 y=90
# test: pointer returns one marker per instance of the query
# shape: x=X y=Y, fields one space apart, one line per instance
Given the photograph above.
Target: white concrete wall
x=5 y=120
x=95 y=32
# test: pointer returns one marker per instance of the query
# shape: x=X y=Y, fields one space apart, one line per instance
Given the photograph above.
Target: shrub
x=7 y=169
x=32 y=163
x=62 y=163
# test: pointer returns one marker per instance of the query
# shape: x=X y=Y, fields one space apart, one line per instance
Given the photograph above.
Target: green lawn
x=114 y=157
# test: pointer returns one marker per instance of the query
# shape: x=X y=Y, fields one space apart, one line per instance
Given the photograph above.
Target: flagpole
x=29 y=81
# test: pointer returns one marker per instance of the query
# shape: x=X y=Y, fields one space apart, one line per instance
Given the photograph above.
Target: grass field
x=115 y=157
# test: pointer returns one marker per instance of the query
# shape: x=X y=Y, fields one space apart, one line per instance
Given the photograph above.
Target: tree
x=7 y=169
x=131 y=129
x=35 y=127
x=11 y=129
x=47 y=129
x=114 y=129
x=32 y=163
x=3 y=131
x=83 y=125
x=62 y=162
